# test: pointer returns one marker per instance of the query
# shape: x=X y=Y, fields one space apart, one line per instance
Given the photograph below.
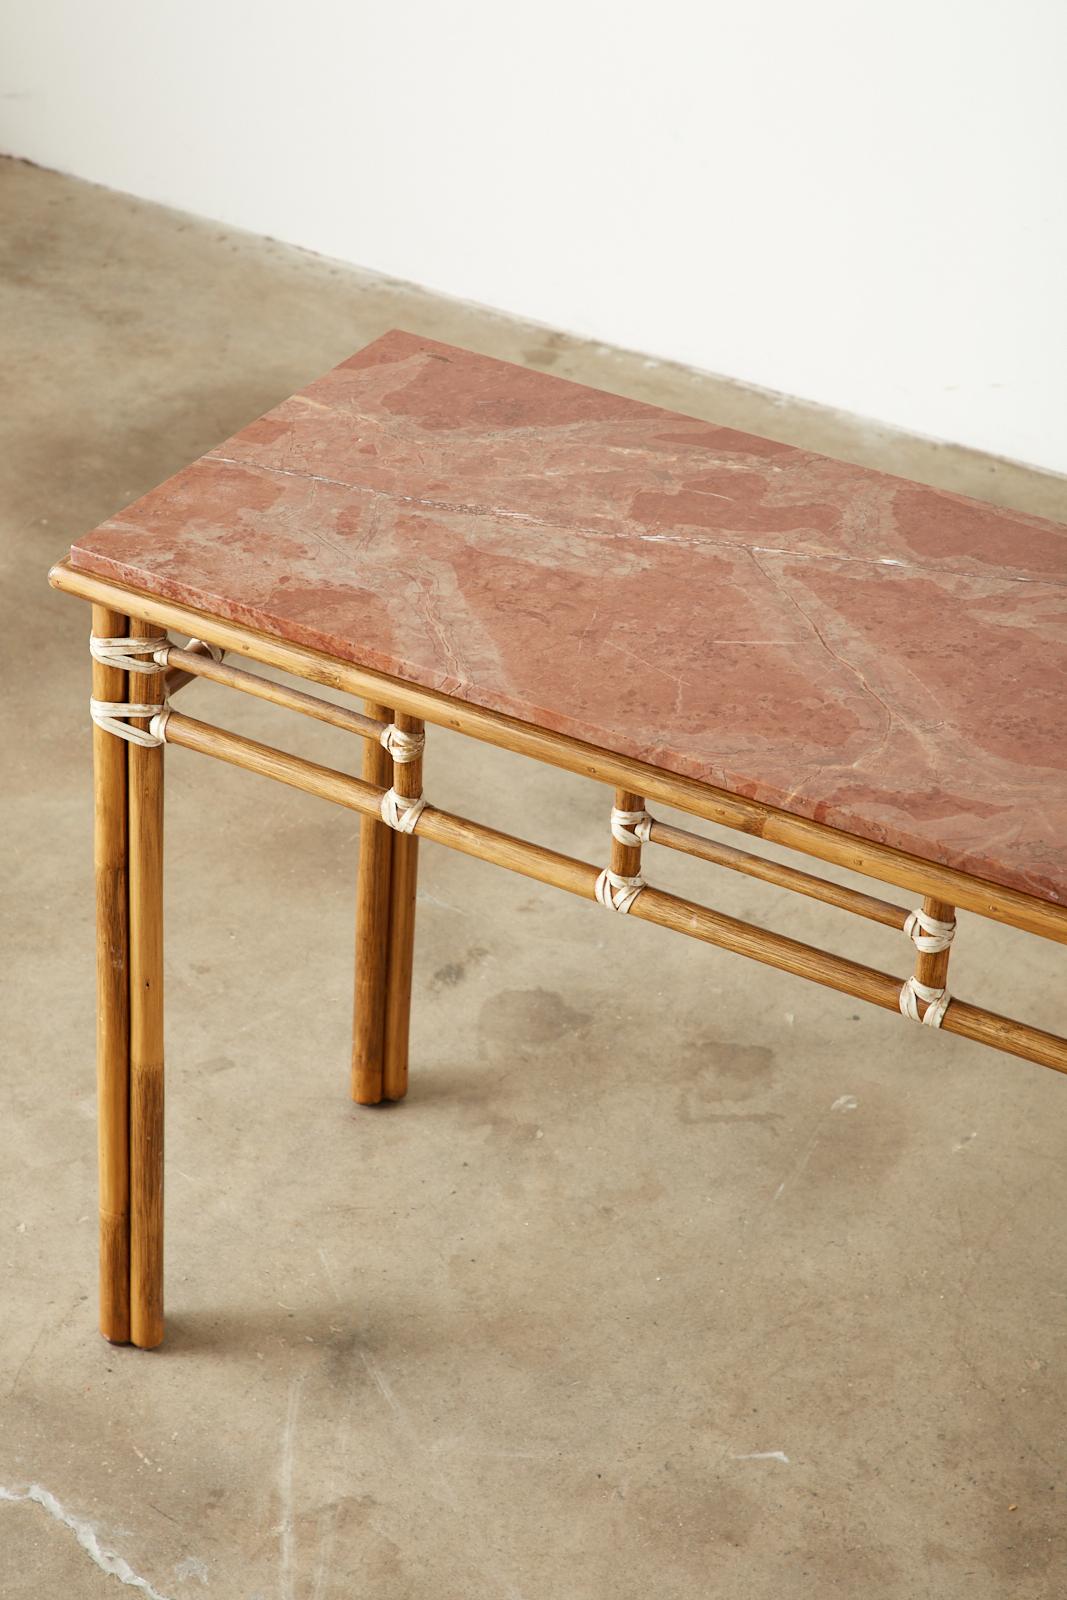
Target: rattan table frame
x=128 y=844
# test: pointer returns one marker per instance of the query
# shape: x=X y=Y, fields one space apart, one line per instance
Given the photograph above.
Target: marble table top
x=882 y=657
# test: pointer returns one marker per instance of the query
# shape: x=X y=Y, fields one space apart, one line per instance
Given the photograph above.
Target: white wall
x=860 y=204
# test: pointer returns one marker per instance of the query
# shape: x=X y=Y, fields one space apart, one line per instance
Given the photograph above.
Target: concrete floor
x=673 y=1276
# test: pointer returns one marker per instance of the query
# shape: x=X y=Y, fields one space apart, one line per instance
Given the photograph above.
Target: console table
x=863 y=670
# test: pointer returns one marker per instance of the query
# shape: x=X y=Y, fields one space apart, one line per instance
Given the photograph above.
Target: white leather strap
x=401 y=813
x=630 y=827
x=616 y=892
x=131 y=655
x=927 y=933
x=402 y=746
x=113 y=715
x=936 y=1002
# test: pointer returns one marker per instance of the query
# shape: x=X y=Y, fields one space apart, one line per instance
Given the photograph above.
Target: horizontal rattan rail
x=197 y=663
x=579 y=877
x=873 y=860
x=783 y=877
x=190 y=664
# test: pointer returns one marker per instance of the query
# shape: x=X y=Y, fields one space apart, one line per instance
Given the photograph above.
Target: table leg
x=372 y=929
x=407 y=779
x=112 y=995
x=145 y=779
x=932 y=968
x=626 y=858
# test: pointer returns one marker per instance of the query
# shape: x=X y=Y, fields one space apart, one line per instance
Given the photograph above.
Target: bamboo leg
x=626 y=858
x=146 y=1024
x=372 y=929
x=932 y=968
x=407 y=780
x=112 y=996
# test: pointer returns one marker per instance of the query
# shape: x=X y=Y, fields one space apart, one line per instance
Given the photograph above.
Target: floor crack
x=108 y=1561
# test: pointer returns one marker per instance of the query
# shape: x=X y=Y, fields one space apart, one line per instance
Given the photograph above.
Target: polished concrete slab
x=673 y=1275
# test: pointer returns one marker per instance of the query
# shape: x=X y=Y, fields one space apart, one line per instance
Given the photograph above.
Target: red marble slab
x=882 y=657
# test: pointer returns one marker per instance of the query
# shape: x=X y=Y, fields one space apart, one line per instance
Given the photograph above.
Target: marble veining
x=883 y=657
